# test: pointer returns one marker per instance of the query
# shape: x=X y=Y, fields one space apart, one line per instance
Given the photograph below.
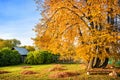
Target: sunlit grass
x=43 y=73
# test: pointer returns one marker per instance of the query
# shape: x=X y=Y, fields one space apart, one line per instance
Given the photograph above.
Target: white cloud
x=25 y=38
x=6 y=35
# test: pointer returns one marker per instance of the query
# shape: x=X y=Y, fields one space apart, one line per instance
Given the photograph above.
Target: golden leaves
x=78 y=28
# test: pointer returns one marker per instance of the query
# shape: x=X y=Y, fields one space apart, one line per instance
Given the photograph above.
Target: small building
x=22 y=51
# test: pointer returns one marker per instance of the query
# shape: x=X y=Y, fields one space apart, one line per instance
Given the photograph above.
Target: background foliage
x=9 y=57
x=9 y=43
x=40 y=57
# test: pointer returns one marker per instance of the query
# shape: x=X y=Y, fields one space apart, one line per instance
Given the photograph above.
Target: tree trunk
x=104 y=63
x=97 y=63
x=93 y=61
x=90 y=63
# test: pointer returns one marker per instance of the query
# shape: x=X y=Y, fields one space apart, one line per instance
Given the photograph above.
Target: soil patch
x=3 y=72
x=24 y=67
x=57 y=67
x=83 y=66
x=28 y=72
x=63 y=74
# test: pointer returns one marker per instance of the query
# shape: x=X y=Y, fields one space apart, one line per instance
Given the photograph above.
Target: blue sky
x=17 y=19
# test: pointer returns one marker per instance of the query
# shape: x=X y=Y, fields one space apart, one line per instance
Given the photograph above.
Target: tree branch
x=81 y=17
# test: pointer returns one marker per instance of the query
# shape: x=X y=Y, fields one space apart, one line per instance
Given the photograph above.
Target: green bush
x=117 y=64
x=1 y=59
x=114 y=62
x=30 y=59
x=15 y=57
x=9 y=57
x=40 y=57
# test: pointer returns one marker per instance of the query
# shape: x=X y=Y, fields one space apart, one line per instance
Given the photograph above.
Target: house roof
x=22 y=51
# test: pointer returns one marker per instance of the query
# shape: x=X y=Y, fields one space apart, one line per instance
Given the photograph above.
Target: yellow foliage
x=78 y=28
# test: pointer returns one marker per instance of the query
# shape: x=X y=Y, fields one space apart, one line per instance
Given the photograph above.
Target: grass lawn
x=43 y=72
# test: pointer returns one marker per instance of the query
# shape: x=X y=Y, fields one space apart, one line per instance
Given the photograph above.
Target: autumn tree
x=86 y=29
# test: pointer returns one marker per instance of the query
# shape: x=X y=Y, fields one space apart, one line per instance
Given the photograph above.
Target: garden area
x=74 y=40
x=50 y=72
x=43 y=65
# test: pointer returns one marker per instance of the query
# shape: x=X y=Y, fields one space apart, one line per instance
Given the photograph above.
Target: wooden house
x=22 y=51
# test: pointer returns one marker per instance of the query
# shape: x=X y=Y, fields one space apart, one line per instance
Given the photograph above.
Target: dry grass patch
x=24 y=67
x=57 y=67
x=3 y=72
x=118 y=72
x=28 y=72
x=83 y=66
x=109 y=66
x=63 y=74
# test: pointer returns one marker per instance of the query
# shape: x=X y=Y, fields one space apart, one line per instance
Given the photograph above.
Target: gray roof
x=22 y=51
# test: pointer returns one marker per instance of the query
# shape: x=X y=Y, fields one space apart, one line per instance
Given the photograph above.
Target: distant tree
x=15 y=42
x=2 y=43
x=9 y=43
x=29 y=48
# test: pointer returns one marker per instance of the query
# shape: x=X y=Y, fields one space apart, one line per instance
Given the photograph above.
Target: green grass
x=43 y=73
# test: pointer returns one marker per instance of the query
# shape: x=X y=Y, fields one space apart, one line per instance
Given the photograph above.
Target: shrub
x=33 y=57
x=39 y=57
x=117 y=64
x=9 y=57
x=29 y=59
x=114 y=62
x=1 y=59
x=48 y=57
x=15 y=57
